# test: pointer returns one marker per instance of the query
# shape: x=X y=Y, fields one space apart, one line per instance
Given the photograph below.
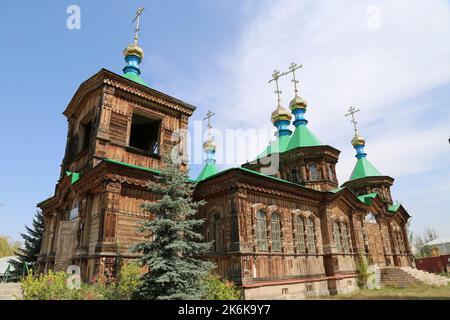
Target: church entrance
x=376 y=251
x=66 y=244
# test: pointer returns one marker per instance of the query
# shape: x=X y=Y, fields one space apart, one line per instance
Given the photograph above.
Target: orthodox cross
x=275 y=76
x=352 y=111
x=292 y=68
x=208 y=117
x=137 y=19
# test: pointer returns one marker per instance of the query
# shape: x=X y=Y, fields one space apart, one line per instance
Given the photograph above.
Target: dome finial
x=297 y=105
x=133 y=53
x=209 y=146
x=281 y=117
x=358 y=142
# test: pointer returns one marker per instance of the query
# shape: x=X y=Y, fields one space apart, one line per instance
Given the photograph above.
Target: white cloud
x=345 y=63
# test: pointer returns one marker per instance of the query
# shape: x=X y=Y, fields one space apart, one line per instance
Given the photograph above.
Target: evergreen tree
x=173 y=253
x=32 y=246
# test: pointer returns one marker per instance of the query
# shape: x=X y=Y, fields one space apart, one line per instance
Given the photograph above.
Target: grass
x=413 y=293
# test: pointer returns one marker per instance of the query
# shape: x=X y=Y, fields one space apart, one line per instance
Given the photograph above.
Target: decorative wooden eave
x=348 y=197
x=238 y=178
x=402 y=214
x=311 y=152
x=368 y=181
x=106 y=77
x=47 y=204
x=113 y=172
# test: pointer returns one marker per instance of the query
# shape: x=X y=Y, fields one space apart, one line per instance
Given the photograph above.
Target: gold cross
x=352 y=111
x=292 y=68
x=137 y=19
x=208 y=117
x=275 y=76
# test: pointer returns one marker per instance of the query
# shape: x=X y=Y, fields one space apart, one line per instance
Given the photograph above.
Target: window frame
x=215 y=232
x=318 y=176
x=311 y=235
x=337 y=236
x=275 y=224
x=299 y=225
x=345 y=238
x=261 y=230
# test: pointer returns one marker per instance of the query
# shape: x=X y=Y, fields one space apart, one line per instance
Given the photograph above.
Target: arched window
x=345 y=238
x=314 y=172
x=401 y=245
x=294 y=176
x=311 y=239
x=300 y=234
x=276 y=232
x=73 y=214
x=261 y=230
x=215 y=232
x=370 y=218
x=337 y=236
x=330 y=172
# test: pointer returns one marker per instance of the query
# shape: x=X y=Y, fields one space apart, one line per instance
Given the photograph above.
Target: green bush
x=53 y=286
x=127 y=282
x=217 y=289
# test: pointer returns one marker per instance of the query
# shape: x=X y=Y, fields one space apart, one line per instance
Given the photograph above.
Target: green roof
x=138 y=167
x=364 y=168
x=134 y=77
x=209 y=170
x=75 y=176
x=256 y=173
x=277 y=146
x=394 y=207
x=367 y=198
x=303 y=137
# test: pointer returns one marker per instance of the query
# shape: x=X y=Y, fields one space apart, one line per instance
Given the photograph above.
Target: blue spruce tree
x=173 y=254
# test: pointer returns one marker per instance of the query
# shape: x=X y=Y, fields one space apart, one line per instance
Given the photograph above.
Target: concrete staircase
x=10 y=291
x=407 y=277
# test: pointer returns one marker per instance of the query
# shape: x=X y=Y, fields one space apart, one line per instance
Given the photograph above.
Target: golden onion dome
x=209 y=145
x=281 y=114
x=298 y=103
x=358 y=141
x=134 y=49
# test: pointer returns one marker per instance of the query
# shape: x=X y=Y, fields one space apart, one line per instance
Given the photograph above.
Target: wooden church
x=282 y=225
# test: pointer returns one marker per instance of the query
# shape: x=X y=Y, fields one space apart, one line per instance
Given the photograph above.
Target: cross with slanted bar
x=137 y=19
x=352 y=111
x=292 y=68
x=275 y=76
x=208 y=117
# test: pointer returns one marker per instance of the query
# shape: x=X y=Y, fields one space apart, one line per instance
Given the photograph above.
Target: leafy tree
x=173 y=252
x=32 y=246
x=421 y=242
x=7 y=248
x=218 y=289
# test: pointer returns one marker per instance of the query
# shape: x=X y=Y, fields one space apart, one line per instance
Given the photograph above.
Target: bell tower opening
x=144 y=134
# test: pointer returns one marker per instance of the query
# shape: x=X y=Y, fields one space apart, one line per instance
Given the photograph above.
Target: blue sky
x=219 y=55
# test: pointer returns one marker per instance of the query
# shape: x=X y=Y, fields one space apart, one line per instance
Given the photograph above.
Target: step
x=405 y=277
x=10 y=291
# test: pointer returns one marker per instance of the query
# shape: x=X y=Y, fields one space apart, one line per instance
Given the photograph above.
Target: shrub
x=50 y=286
x=217 y=289
x=363 y=274
x=53 y=286
x=128 y=281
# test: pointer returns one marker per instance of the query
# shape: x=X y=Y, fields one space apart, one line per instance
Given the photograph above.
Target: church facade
x=281 y=226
